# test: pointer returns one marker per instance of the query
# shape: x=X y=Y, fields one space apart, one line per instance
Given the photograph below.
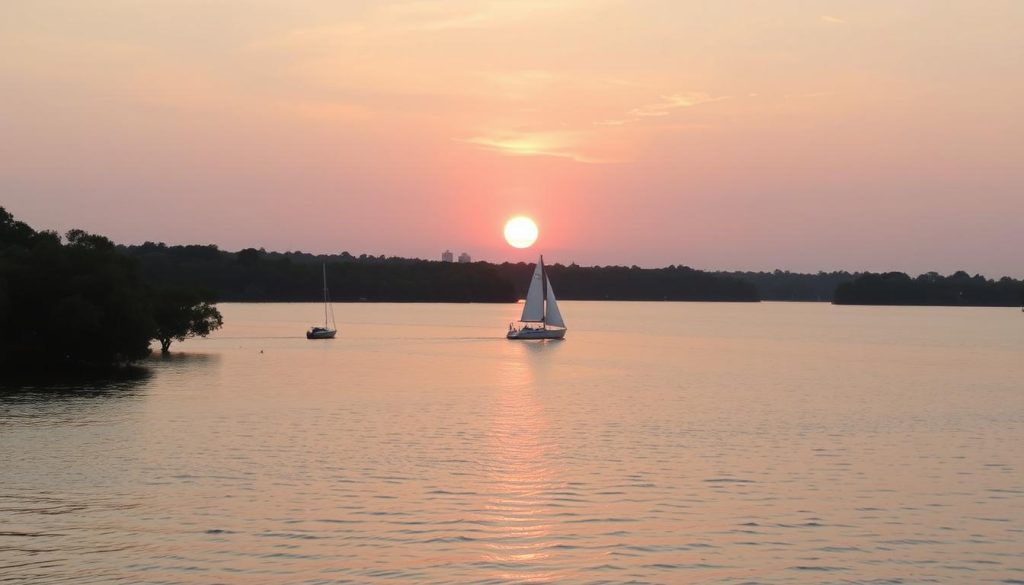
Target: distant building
x=464 y=258
x=447 y=256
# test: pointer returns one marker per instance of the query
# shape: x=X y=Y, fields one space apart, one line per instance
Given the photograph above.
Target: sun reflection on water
x=521 y=474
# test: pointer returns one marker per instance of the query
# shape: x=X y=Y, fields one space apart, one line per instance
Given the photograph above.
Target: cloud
x=561 y=144
x=603 y=141
x=833 y=19
x=816 y=94
x=461 y=14
x=389 y=20
x=663 y=107
x=615 y=122
x=517 y=85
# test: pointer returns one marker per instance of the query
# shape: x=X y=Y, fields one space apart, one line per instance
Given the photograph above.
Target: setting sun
x=520 y=232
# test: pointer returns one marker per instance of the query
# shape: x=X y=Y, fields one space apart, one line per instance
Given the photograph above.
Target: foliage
x=783 y=285
x=68 y=305
x=622 y=283
x=958 y=289
x=181 y=314
x=79 y=303
x=258 y=275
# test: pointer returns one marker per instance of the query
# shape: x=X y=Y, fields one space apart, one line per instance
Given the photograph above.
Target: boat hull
x=536 y=334
x=321 y=334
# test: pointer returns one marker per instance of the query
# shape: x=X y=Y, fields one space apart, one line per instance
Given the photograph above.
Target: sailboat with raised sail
x=330 y=328
x=541 y=318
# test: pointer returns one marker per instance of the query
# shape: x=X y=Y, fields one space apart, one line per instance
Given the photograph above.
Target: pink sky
x=726 y=135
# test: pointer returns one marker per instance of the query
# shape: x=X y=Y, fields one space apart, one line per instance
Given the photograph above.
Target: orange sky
x=725 y=134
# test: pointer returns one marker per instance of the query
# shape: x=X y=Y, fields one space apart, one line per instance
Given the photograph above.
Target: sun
x=520 y=232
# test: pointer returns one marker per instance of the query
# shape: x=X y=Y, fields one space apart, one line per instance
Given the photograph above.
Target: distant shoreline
x=252 y=275
x=520 y=301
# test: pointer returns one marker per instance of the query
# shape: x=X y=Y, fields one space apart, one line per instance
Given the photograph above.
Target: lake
x=659 y=443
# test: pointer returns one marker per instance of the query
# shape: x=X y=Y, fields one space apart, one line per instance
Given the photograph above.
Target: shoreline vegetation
x=930 y=289
x=81 y=302
x=252 y=275
x=78 y=305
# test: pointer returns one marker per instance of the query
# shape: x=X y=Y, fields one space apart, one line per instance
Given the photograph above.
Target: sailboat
x=541 y=318
x=330 y=328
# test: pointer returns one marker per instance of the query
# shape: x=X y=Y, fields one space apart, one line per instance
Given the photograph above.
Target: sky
x=725 y=134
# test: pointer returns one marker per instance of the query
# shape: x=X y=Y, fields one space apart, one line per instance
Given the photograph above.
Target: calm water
x=660 y=443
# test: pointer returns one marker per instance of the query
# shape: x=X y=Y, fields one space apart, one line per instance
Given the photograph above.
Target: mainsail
x=553 y=316
x=533 y=310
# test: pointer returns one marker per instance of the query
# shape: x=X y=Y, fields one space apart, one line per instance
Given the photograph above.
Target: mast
x=324 y=266
x=544 y=283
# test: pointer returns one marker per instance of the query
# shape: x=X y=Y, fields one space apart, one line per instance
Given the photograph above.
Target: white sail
x=533 y=310
x=554 y=316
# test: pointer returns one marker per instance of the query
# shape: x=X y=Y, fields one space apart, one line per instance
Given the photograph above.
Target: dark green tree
x=182 y=314
x=67 y=306
x=931 y=288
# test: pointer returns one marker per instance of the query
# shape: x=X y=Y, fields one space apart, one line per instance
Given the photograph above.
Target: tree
x=13 y=231
x=958 y=289
x=181 y=314
x=67 y=307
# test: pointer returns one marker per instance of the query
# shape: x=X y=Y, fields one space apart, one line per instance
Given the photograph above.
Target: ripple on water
x=714 y=452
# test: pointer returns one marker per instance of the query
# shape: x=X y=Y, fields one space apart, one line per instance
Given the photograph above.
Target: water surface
x=660 y=443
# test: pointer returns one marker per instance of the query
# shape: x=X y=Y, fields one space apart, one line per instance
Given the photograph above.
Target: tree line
x=258 y=275
x=252 y=275
x=932 y=288
x=79 y=300
x=77 y=303
x=783 y=285
x=632 y=283
x=889 y=288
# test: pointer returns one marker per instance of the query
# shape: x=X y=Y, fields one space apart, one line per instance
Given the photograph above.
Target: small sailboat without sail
x=330 y=328
x=541 y=318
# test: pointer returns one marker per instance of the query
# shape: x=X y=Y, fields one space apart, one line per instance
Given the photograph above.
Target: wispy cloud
x=518 y=85
x=387 y=20
x=615 y=122
x=832 y=19
x=439 y=15
x=811 y=95
x=663 y=107
x=604 y=141
x=561 y=144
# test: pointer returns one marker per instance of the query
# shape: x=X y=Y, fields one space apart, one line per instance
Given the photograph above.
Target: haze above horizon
x=802 y=136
